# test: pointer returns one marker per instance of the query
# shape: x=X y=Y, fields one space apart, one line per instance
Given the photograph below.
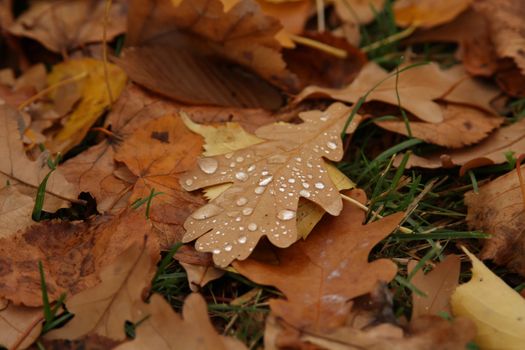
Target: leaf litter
x=177 y=174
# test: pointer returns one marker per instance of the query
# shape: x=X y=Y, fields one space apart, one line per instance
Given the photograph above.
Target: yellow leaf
x=94 y=97
x=496 y=309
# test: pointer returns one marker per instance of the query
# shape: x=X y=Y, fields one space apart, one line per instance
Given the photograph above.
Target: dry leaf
x=268 y=180
x=24 y=174
x=461 y=126
x=428 y=13
x=490 y=151
x=15 y=211
x=438 y=285
x=94 y=101
x=198 y=54
x=104 y=309
x=319 y=276
x=63 y=25
x=72 y=255
x=358 y=11
x=497 y=310
x=417 y=87
x=498 y=209
x=20 y=326
x=89 y=342
x=199 y=276
x=164 y=329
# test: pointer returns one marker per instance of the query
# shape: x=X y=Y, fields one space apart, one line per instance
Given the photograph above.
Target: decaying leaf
x=197 y=53
x=461 y=126
x=428 y=13
x=15 y=211
x=62 y=25
x=438 y=285
x=321 y=275
x=164 y=329
x=498 y=209
x=268 y=180
x=490 y=151
x=94 y=101
x=24 y=174
x=72 y=254
x=357 y=11
x=199 y=276
x=417 y=88
x=20 y=326
x=104 y=309
x=497 y=310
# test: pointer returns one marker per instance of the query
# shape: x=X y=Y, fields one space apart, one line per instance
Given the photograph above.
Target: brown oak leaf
x=321 y=275
x=268 y=180
x=498 y=209
x=428 y=13
x=20 y=326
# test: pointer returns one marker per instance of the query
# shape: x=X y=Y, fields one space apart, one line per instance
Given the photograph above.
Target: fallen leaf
x=63 y=25
x=498 y=209
x=358 y=11
x=461 y=126
x=497 y=310
x=417 y=88
x=321 y=275
x=72 y=255
x=104 y=308
x=438 y=285
x=20 y=326
x=199 y=276
x=95 y=97
x=490 y=151
x=198 y=54
x=15 y=211
x=91 y=342
x=428 y=13
x=263 y=175
x=24 y=174
x=164 y=329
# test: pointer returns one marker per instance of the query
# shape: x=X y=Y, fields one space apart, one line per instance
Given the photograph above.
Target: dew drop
x=247 y=211
x=216 y=251
x=228 y=155
x=251 y=168
x=189 y=182
x=319 y=185
x=239 y=159
x=277 y=159
x=241 y=176
x=228 y=248
x=306 y=184
x=304 y=193
x=206 y=211
x=252 y=226
x=266 y=180
x=259 y=190
x=232 y=165
x=242 y=239
x=208 y=165
x=241 y=201
x=286 y=214
x=264 y=173
x=331 y=145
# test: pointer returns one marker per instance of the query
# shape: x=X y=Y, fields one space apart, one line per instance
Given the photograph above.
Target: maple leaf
x=490 y=151
x=416 y=88
x=497 y=310
x=268 y=180
x=428 y=13
x=164 y=329
x=104 y=308
x=321 y=275
x=20 y=326
x=461 y=126
x=24 y=174
x=64 y=25
x=438 y=285
x=498 y=209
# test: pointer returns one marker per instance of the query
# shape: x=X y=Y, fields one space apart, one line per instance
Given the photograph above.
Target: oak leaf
x=438 y=285
x=164 y=329
x=321 y=275
x=268 y=180
x=358 y=11
x=25 y=174
x=497 y=310
x=498 y=209
x=490 y=151
x=15 y=211
x=461 y=126
x=417 y=88
x=198 y=275
x=20 y=326
x=104 y=308
x=63 y=25
x=428 y=13
x=197 y=53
